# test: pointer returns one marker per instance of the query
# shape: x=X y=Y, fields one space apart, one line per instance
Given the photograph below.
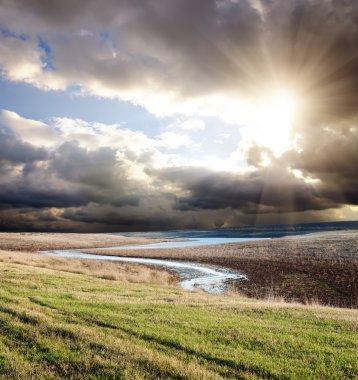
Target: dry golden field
x=22 y=248
x=314 y=268
x=320 y=267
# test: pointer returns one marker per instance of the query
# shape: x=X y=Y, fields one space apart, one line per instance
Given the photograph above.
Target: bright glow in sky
x=272 y=119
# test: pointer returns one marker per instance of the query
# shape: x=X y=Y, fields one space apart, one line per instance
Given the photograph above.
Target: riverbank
x=320 y=268
x=37 y=241
x=22 y=248
x=315 y=268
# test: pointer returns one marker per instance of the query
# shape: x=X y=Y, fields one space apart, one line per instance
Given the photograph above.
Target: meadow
x=69 y=319
x=56 y=324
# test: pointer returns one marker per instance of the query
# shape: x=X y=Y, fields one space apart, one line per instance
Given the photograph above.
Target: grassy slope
x=55 y=324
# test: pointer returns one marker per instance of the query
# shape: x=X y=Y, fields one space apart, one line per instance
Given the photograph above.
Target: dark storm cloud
x=268 y=190
x=119 y=218
x=155 y=213
x=72 y=176
x=14 y=150
x=97 y=168
x=20 y=194
x=329 y=153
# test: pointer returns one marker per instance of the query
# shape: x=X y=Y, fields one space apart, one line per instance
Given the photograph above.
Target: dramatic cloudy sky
x=157 y=114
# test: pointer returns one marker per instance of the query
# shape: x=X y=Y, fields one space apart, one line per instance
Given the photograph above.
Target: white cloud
x=174 y=140
x=20 y=59
x=32 y=131
x=134 y=149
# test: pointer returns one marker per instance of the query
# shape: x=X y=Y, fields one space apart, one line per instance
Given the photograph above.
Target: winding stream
x=210 y=278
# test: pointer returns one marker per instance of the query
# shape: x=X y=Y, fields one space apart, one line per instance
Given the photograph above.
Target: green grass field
x=55 y=324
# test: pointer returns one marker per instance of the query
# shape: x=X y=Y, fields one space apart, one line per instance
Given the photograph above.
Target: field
x=79 y=319
x=320 y=267
x=56 y=324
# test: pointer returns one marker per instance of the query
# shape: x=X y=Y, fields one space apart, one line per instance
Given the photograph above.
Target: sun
x=273 y=115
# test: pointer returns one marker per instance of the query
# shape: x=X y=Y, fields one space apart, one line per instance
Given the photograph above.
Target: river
x=209 y=278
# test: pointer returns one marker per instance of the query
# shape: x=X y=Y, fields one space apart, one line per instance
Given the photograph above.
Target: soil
x=311 y=268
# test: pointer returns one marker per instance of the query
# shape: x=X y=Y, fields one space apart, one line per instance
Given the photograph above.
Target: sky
x=121 y=115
